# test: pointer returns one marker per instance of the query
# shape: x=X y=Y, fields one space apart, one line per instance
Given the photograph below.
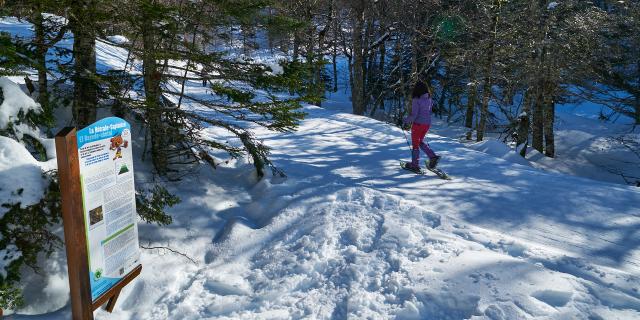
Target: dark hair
x=420 y=89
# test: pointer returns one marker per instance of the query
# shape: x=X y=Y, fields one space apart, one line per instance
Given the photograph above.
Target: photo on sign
x=95 y=215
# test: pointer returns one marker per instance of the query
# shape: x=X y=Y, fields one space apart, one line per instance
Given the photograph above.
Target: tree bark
x=413 y=77
x=296 y=45
x=334 y=54
x=549 y=119
x=471 y=106
x=383 y=53
x=486 y=91
x=314 y=60
x=152 y=76
x=379 y=98
x=443 y=95
x=537 y=129
x=334 y=61
x=85 y=93
x=41 y=59
x=357 y=90
x=524 y=123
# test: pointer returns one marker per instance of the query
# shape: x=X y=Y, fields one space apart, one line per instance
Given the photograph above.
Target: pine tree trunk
x=85 y=93
x=296 y=45
x=398 y=111
x=370 y=76
x=350 y=65
x=334 y=43
x=379 y=97
x=314 y=57
x=484 y=109
x=471 y=106
x=334 y=61
x=41 y=60
x=523 y=124
x=367 y=61
x=537 y=129
x=357 y=90
x=443 y=94
x=486 y=90
x=383 y=52
x=413 y=77
x=414 y=61
x=152 y=77
x=549 y=118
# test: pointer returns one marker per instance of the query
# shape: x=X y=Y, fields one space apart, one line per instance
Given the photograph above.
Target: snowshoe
x=433 y=162
x=407 y=166
x=439 y=173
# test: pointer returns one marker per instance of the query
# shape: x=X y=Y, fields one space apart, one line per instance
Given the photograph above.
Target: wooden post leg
x=112 y=302
x=74 y=227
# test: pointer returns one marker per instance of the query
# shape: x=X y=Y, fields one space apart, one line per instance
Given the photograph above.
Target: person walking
x=420 y=121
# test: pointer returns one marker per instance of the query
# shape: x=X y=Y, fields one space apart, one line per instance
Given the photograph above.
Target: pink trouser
x=418 y=132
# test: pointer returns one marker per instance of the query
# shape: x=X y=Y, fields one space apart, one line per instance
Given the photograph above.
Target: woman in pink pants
x=420 y=120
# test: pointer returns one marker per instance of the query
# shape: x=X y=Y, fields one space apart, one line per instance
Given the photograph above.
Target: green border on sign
x=84 y=218
x=116 y=234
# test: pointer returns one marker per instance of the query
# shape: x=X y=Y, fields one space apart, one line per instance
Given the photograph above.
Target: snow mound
x=15 y=101
x=499 y=150
x=118 y=39
x=341 y=257
x=21 y=175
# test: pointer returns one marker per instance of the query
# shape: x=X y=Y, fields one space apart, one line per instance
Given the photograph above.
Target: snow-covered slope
x=350 y=235
x=585 y=147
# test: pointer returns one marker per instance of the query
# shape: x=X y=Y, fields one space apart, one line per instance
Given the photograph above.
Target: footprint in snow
x=553 y=298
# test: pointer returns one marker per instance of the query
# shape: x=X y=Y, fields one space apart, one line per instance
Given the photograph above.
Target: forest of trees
x=519 y=57
x=524 y=57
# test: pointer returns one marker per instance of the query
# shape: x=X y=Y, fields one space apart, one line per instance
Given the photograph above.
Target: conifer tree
x=164 y=32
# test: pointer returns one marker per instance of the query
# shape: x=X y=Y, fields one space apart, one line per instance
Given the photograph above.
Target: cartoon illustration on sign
x=117 y=143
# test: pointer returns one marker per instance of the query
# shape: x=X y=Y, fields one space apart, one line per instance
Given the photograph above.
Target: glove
x=406 y=126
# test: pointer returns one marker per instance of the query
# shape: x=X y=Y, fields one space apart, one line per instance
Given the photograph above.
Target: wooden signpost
x=95 y=170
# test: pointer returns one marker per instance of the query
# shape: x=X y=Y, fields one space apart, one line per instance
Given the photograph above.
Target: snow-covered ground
x=348 y=234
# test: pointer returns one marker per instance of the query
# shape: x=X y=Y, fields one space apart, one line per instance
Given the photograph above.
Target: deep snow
x=350 y=235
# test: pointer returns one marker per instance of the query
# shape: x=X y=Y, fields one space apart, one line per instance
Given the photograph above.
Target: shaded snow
x=350 y=235
x=20 y=172
x=15 y=101
x=499 y=150
x=21 y=175
x=22 y=182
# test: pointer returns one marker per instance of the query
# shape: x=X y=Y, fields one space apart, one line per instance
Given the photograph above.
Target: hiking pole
x=407 y=139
